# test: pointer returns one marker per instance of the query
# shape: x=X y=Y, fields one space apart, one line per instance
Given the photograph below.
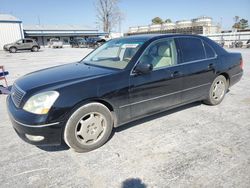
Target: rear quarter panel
x=230 y=64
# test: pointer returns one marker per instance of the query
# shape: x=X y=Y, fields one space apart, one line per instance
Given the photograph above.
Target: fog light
x=34 y=138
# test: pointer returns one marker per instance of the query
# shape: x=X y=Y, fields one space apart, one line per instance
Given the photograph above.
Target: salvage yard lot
x=191 y=146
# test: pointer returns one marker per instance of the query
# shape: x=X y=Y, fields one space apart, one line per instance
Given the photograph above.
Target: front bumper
x=5 y=48
x=48 y=134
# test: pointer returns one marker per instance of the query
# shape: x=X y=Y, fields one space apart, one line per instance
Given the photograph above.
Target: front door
x=159 y=89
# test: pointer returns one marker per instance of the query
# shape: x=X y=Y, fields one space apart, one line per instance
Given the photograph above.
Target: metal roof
x=9 y=18
x=58 y=28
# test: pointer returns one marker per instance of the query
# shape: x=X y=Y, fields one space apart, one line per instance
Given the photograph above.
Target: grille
x=17 y=95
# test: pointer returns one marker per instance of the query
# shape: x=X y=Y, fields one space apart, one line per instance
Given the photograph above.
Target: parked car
x=78 y=43
x=94 y=42
x=22 y=44
x=123 y=80
x=55 y=43
x=248 y=43
x=236 y=44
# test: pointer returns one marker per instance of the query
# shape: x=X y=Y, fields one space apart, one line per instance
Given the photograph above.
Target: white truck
x=55 y=43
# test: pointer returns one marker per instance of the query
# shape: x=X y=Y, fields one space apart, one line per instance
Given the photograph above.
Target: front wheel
x=217 y=91
x=89 y=127
x=13 y=49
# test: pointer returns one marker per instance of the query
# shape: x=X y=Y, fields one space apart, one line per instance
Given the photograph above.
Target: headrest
x=164 y=51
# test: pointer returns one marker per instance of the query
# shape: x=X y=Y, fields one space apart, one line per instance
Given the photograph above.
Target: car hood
x=60 y=75
x=9 y=44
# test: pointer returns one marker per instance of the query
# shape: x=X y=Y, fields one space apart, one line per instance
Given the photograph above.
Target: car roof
x=152 y=37
x=156 y=36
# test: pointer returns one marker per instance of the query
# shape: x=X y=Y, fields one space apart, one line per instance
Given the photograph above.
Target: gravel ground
x=191 y=146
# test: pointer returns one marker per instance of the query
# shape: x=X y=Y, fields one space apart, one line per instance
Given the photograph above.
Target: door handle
x=210 y=66
x=176 y=74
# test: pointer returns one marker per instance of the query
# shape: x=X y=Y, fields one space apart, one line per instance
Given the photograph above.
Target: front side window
x=160 y=54
x=116 y=53
x=192 y=49
x=19 y=41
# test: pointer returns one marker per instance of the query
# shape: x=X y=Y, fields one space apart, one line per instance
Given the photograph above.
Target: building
x=43 y=33
x=202 y=25
x=228 y=37
x=11 y=29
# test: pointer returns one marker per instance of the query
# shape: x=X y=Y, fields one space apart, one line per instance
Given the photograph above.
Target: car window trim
x=132 y=73
x=204 y=42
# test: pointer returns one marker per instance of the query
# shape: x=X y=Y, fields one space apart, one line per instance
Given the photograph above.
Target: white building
x=201 y=25
x=230 y=36
x=10 y=29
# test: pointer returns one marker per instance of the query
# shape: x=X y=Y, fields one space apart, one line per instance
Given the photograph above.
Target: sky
x=136 y=12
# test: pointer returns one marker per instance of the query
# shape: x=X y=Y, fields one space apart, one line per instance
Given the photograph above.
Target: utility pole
x=38 y=18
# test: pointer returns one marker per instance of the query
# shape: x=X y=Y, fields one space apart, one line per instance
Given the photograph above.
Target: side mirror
x=143 y=68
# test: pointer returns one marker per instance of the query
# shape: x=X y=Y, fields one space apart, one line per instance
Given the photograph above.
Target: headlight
x=41 y=103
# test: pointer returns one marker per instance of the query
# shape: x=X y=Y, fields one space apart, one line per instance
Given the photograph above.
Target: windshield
x=116 y=53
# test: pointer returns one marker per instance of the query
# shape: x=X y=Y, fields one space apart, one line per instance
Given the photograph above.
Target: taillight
x=241 y=63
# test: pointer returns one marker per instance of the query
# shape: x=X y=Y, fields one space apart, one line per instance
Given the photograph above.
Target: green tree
x=168 y=21
x=243 y=24
x=236 y=19
x=157 y=20
x=240 y=24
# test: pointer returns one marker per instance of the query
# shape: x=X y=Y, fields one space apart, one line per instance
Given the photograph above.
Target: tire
x=88 y=127
x=217 y=91
x=34 y=49
x=12 y=49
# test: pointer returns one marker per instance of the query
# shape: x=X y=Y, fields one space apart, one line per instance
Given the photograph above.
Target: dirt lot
x=192 y=146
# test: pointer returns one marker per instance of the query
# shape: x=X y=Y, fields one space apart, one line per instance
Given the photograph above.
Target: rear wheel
x=217 y=91
x=13 y=49
x=89 y=127
x=34 y=49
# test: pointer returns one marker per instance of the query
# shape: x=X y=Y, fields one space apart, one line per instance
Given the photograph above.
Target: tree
x=108 y=13
x=236 y=19
x=168 y=21
x=157 y=20
x=242 y=24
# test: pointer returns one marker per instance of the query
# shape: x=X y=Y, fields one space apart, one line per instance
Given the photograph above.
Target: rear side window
x=209 y=51
x=192 y=49
x=28 y=41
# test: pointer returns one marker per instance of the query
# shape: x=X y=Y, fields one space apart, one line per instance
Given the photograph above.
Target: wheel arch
x=13 y=47
x=106 y=103
x=226 y=75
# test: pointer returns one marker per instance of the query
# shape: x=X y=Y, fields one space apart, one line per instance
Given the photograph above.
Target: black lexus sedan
x=123 y=80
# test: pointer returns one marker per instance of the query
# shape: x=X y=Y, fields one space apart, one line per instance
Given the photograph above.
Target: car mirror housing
x=143 y=68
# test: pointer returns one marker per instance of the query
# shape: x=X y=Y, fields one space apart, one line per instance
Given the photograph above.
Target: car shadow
x=133 y=183
x=24 y=51
x=61 y=147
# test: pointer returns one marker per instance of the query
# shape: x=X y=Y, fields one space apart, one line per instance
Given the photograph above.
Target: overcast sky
x=137 y=12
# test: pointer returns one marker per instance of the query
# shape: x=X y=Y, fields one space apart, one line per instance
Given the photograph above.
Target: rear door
x=27 y=44
x=199 y=60
x=159 y=89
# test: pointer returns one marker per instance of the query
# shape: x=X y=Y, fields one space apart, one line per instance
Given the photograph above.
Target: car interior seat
x=163 y=57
